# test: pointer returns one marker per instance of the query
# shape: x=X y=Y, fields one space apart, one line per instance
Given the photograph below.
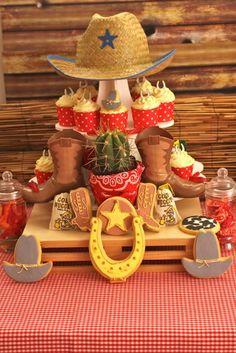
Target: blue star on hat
x=107 y=39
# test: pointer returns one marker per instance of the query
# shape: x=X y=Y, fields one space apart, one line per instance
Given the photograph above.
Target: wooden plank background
x=202 y=74
x=204 y=34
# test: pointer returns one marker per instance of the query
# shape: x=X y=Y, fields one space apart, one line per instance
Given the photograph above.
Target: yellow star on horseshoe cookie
x=116 y=217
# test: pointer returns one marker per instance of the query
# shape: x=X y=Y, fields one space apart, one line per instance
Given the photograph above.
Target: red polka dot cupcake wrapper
x=114 y=121
x=144 y=118
x=184 y=172
x=87 y=121
x=65 y=116
x=165 y=112
x=42 y=177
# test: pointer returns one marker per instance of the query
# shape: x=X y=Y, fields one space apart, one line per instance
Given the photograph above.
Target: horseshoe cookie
x=81 y=204
x=116 y=270
x=194 y=224
x=145 y=205
x=116 y=214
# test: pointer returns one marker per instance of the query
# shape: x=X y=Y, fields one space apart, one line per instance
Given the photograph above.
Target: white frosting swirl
x=86 y=92
x=86 y=105
x=164 y=94
x=120 y=109
x=180 y=158
x=144 y=86
x=146 y=102
x=44 y=164
x=67 y=100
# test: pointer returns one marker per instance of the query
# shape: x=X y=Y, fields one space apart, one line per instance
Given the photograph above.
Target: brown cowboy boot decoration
x=155 y=145
x=67 y=149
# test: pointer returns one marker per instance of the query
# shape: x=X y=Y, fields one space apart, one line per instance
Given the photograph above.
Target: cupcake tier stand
x=69 y=250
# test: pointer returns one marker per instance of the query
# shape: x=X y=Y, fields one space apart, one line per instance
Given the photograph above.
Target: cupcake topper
x=143 y=96
x=71 y=91
x=163 y=84
x=83 y=84
x=46 y=153
x=112 y=101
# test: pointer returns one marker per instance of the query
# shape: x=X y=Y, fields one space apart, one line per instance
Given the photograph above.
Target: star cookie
x=116 y=214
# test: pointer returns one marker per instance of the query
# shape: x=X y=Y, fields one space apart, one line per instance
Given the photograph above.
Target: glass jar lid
x=10 y=188
x=221 y=186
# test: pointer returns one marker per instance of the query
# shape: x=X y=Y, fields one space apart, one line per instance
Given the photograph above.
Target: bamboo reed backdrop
x=207 y=123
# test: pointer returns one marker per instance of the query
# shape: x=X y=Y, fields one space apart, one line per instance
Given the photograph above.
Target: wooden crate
x=69 y=249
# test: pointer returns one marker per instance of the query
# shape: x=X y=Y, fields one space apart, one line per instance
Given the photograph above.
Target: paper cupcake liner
x=42 y=177
x=114 y=121
x=165 y=112
x=123 y=184
x=87 y=121
x=145 y=118
x=184 y=172
x=65 y=116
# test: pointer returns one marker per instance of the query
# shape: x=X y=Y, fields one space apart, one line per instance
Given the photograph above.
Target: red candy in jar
x=220 y=196
x=12 y=208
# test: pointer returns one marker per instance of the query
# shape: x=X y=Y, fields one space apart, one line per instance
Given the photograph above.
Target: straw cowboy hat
x=207 y=261
x=112 y=47
x=27 y=267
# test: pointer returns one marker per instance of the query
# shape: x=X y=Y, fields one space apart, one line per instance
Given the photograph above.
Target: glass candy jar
x=221 y=205
x=12 y=208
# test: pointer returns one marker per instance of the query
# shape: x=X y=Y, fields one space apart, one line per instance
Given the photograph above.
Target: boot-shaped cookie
x=67 y=149
x=155 y=145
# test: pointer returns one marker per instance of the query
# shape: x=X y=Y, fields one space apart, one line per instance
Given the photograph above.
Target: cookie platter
x=69 y=250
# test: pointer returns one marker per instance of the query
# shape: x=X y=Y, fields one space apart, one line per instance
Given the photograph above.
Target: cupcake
x=113 y=114
x=86 y=91
x=44 y=167
x=86 y=115
x=65 y=109
x=166 y=98
x=143 y=86
x=181 y=162
x=145 y=112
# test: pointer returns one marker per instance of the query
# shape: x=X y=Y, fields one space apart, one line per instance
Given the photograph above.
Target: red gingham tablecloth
x=151 y=312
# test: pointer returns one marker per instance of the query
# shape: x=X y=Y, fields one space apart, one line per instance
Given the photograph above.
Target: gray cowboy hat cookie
x=27 y=267
x=207 y=262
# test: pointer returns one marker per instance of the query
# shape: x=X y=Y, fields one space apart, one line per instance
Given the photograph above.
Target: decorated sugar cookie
x=193 y=224
x=146 y=200
x=166 y=207
x=116 y=214
x=207 y=262
x=116 y=270
x=62 y=213
x=27 y=267
x=82 y=207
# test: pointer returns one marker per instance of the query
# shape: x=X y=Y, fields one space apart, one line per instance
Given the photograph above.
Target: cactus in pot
x=115 y=172
x=112 y=154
